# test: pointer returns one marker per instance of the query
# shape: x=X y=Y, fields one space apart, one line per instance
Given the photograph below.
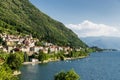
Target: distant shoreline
x=46 y=61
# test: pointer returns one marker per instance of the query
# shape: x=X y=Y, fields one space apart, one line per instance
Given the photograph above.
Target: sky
x=85 y=17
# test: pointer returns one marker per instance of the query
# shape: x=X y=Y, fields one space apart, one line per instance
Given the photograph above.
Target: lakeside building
x=12 y=43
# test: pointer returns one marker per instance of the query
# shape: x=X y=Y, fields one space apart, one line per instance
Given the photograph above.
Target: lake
x=98 y=66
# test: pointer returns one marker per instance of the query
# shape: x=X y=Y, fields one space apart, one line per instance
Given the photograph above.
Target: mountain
x=103 y=42
x=21 y=17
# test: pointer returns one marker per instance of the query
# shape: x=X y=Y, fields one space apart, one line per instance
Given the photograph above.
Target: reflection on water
x=98 y=66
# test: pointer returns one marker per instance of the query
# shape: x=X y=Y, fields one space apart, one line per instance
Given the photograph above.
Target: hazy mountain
x=103 y=42
x=21 y=17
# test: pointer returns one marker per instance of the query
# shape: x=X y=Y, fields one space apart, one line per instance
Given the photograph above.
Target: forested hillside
x=21 y=17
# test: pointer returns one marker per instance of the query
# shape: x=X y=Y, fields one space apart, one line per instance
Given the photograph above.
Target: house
x=4 y=49
x=34 y=60
x=54 y=49
x=1 y=46
x=9 y=48
x=32 y=44
x=27 y=44
x=10 y=43
x=25 y=49
x=60 y=48
x=36 y=49
x=47 y=44
x=45 y=51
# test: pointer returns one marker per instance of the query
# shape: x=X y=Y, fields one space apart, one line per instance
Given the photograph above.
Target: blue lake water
x=98 y=66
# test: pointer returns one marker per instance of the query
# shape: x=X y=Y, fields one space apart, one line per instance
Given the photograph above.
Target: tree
x=49 y=50
x=26 y=58
x=61 y=57
x=70 y=75
x=42 y=56
x=6 y=73
x=15 y=60
x=60 y=76
x=71 y=54
x=3 y=55
x=38 y=43
x=1 y=40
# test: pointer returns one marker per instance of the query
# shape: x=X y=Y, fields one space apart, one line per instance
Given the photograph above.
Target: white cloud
x=88 y=28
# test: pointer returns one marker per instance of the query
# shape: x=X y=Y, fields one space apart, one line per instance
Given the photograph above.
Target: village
x=27 y=44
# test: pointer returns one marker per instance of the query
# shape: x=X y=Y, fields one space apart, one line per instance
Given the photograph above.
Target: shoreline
x=50 y=60
x=16 y=73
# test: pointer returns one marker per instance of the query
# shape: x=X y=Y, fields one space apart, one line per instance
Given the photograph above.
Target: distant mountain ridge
x=103 y=42
x=21 y=17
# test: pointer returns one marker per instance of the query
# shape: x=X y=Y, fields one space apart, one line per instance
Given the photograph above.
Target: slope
x=20 y=16
x=103 y=42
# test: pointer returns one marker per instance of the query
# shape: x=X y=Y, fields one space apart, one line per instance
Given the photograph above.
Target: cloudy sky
x=85 y=17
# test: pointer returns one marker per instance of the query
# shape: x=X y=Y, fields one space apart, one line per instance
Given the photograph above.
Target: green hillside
x=20 y=16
